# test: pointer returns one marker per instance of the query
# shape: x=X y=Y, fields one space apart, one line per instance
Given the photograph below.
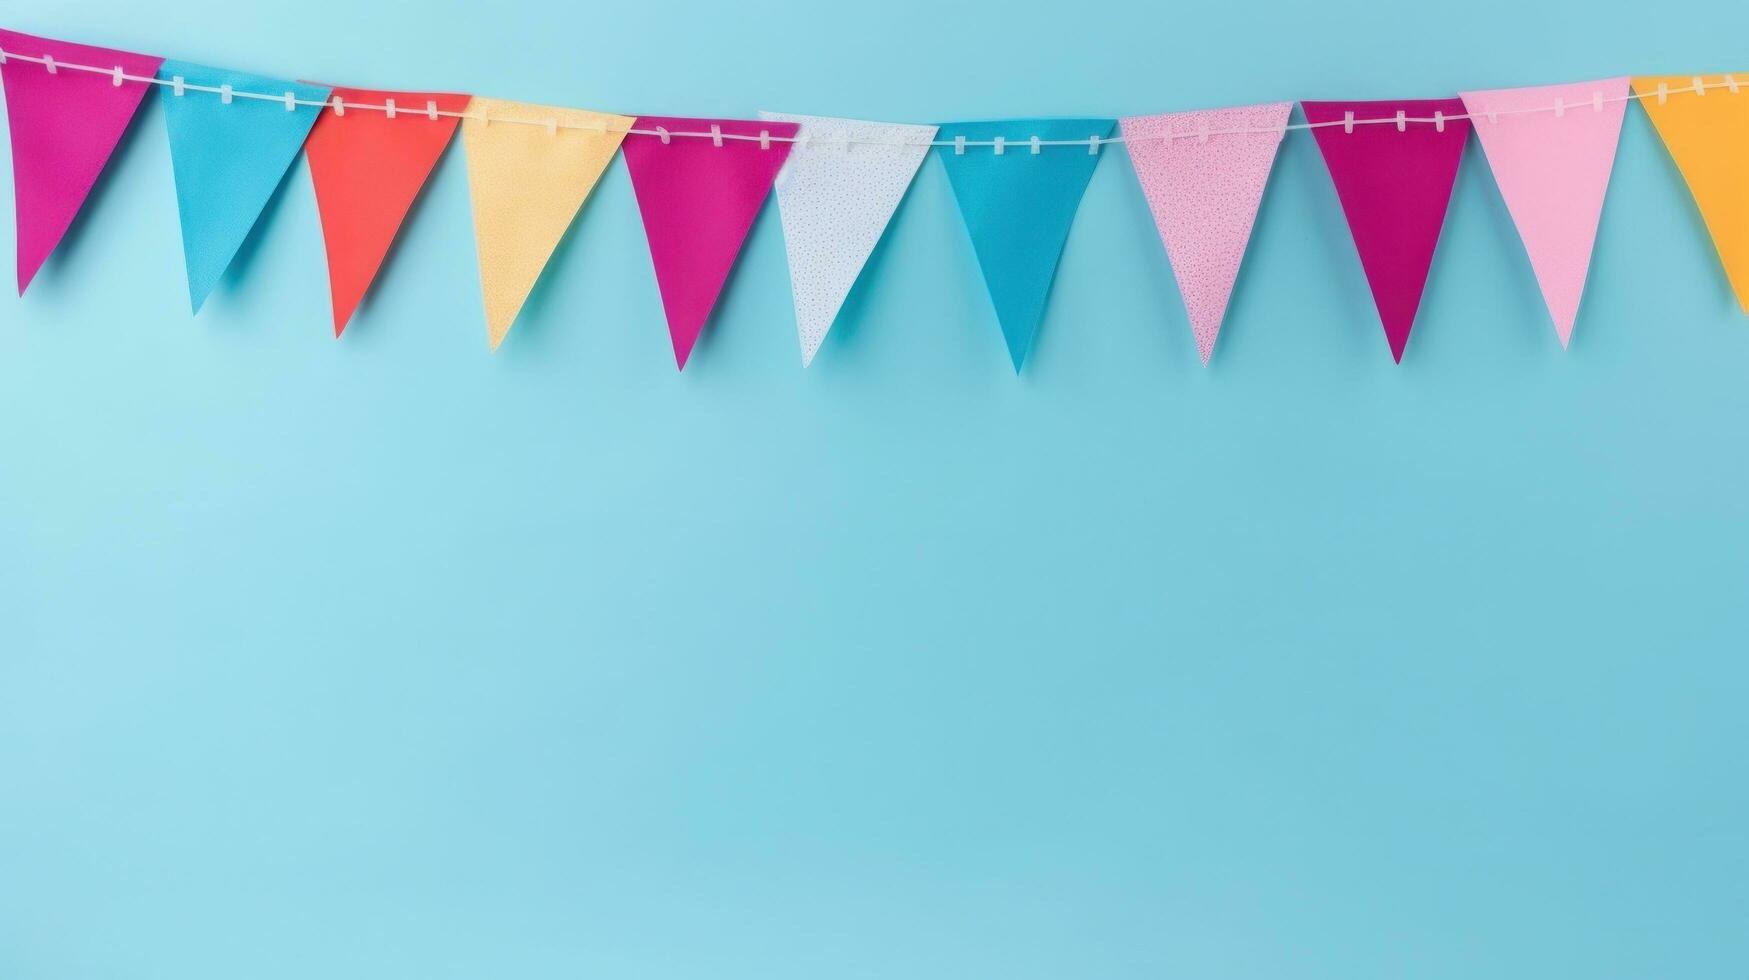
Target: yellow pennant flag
x=527 y=183
x=1707 y=133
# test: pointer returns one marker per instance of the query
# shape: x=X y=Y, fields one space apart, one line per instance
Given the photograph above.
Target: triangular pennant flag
x=1204 y=191
x=65 y=125
x=367 y=166
x=1018 y=205
x=229 y=150
x=1553 y=170
x=527 y=183
x=699 y=199
x=1707 y=133
x=1394 y=180
x=836 y=193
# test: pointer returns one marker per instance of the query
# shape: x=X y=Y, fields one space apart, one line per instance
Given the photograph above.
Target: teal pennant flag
x=229 y=155
x=1018 y=206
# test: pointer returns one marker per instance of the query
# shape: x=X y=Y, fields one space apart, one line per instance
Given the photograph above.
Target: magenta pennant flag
x=698 y=197
x=1394 y=179
x=65 y=124
x=1203 y=174
x=1552 y=149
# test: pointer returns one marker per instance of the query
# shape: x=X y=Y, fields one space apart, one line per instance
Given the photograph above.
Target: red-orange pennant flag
x=368 y=165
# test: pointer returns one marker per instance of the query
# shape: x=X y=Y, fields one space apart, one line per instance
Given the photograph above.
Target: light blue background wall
x=390 y=658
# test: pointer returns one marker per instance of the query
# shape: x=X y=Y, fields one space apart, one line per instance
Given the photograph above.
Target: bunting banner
x=1553 y=170
x=698 y=198
x=835 y=195
x=1394 y=180
x=1017 y=205
x=229 y=154
x=367 y=169
x=527 y=183
x=1204 y=192
x=700 y=183
x=1704 y=122
x=64 y=127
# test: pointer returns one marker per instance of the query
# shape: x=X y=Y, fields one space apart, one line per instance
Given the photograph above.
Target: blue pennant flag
x=229 y=155
x=1018 y=206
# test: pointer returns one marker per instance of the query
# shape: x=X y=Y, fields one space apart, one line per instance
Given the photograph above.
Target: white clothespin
x=1560 y=107
x=117 y=76
x=1438 y=121
x=1035 y=146
x=2 y=56
x=177 y=86
x=599 y=126
x=1348 y=122
x=49 y=63
x=802 y=140
x=1493 y=117
x=1001 y=145
x=389 y=108
x=1663 y=93
x=662 y=134
x=291 y=101
x=1092 y=146
x=431 y=110
x=765 y=139
x=1402 y=121
x=959 y=146
x=552 y=127
x=1699 y=85
x=1597 y=102
x=1730 y=80
x=339 y=105
x=1202 y=131
x=225 y=94
x=716 y=135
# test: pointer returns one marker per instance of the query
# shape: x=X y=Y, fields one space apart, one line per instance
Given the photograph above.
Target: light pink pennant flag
x=1204 y=191
x=65 y=124
x=1553 y=168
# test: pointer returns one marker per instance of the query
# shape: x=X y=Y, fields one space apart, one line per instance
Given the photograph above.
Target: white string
x=288 y=99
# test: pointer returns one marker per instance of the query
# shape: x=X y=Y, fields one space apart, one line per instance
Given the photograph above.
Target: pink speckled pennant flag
x=1553 y=170
x=1204 y=192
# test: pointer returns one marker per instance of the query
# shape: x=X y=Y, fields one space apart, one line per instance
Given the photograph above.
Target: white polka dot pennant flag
x=836 y=193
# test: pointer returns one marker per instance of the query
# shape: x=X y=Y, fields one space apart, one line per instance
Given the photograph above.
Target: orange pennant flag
x=368 y=165
x=1707 y=132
